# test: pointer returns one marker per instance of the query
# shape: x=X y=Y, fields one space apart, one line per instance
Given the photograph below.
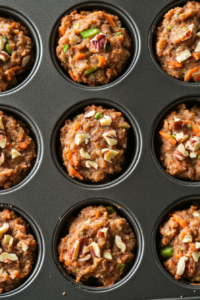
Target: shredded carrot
x=110 y=20
x=177 y=255
x=8 y=141
x=76 y=174
x=67 y=262
x=196 y=55
x=174 y=64
x=80 y=56
x=102 y=61
x=61 y=257
x=72 y=75
x=195 y=129
x=97 y=214
x=23 y=145
x=77 y=126
x=6 y=186
x=197 y=78
x=187 y=122
x=62 y=31
x=13 y=24
x=168 y=136
x=74 y=12
x=8 y=73
x=178 y=219
x=189 y=73
x=69 y=157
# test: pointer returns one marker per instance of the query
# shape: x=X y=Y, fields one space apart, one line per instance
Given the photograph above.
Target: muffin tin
x=143 y=192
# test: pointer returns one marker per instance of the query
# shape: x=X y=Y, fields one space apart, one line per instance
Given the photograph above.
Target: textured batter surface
x=13 y=273
x=178 y=42
x=80 y=167
x=17 y=151
x=87 y=229
x=98 y=59
x=180 y=138
x=16 y=53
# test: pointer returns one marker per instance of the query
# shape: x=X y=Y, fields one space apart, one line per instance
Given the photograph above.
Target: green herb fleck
x=110 y=210
x=178 y=13
x=128 y=53
x=184 y=70
x=119 y=33
x=83 y=233
x=169 y=27
x=76 y=117
x=77 y=270
x=183 y=27
x=198 y=156
x=95 y=265
x=189 y=125
x=171 y=158
x=173 y=136
x=98 y=116
x=65 y=48
x=5 y=37
x=89 y=32
x=122 y=266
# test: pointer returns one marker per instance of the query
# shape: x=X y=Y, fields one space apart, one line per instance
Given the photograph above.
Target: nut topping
x=197 y=245
x=87 y=257
x=2 y=43
x=181 y=265
x=110 y=137
x=94 y=249
x=196 y=256
x=187 y=238
x=1 y=158
x=23 y=246
x=103 y=231
x=74 y=252
x=75 y=40
x=181 y=137
x=177 y=123
x=180 y=153
x=14 y=153
x=183 y=55
x=7 y=257
x=81 y=137
x=109 y=154
x=1 y=271
x=193 y=144
x=3 y=229
x=3 y=143
x=105 y=121
x=82 y=244
x=25 y=60
x=107 y=254
x=196 y=214
x=120 y=243
x=197 y=47
x=91 y=164
x=90 y=114
x=8 y=239
x=99 y=41
x=1 y=124
x=4 y=56
x=84 y=154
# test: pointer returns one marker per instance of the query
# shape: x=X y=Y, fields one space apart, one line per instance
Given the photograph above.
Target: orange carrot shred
x=62 y=31
x=168 y=136
x=102 y=61
x=80 y=56
x=195 y=129
x=13 y=24
x=178 y=219
x=67 y=262
x=76 y=174
x=174 y=64
x=196 y=55
x=97 y=214
x=23 y=145
x=72 y=75
x=188 y=75
x=110 y=20
x=69 y=157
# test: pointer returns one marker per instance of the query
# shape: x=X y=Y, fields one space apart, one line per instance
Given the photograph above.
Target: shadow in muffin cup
x=26 y=76
x=156 y=143
x=35 y=231
x=133 y=144
x=61 y=231
x=152 y=41
x=126 y=23
x=35 y=135
x=178 y=205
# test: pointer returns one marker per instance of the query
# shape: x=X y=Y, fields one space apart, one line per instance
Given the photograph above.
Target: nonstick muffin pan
x=143 y=192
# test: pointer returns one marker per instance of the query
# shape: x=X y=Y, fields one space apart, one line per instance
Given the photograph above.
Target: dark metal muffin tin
x=143 y=192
